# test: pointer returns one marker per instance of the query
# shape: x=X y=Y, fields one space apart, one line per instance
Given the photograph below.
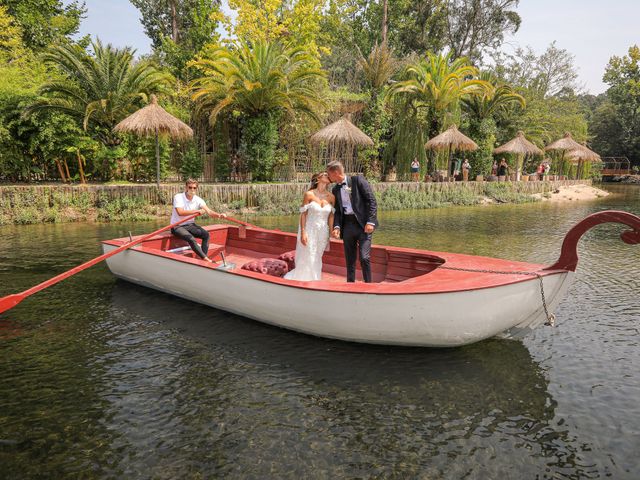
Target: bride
x=313 y=232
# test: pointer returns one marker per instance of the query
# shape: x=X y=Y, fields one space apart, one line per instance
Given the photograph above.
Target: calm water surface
x=104 y=379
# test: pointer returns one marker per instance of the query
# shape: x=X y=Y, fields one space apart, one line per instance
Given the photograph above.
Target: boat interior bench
x=229 y=244
x=389 y=266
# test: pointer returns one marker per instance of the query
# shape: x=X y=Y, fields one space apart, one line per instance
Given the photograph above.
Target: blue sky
x=592 y=30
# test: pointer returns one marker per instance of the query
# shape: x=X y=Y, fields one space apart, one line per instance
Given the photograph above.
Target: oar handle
x=11 y=300
x=240 y=222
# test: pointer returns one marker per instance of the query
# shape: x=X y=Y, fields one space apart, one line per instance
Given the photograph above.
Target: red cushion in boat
x=268 y=266
x=290 y=258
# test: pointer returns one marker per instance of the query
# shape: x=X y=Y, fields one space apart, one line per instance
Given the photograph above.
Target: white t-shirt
x=180 y=200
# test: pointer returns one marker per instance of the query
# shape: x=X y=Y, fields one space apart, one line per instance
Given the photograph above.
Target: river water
x=104 y=379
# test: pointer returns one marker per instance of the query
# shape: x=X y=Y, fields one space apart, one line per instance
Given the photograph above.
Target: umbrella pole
x=157 y=160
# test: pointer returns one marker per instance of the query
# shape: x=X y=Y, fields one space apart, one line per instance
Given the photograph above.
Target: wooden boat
x=418 y=298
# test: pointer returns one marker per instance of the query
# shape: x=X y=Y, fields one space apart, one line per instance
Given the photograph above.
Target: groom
x=355 y=218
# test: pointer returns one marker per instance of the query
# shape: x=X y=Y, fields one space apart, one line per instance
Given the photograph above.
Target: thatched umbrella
x=451 y=140
x=564 y=145
x=153 y=120
x=521 y=147
x=341 y=138
x=583 y=154
x=580 y=156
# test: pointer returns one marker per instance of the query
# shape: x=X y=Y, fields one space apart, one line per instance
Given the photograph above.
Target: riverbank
x=571 y=193
x=20 y=205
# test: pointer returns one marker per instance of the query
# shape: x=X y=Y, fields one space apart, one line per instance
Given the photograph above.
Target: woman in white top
x=185 y=204
x=316 y=214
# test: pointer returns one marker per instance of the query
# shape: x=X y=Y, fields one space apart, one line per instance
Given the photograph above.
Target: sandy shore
x=573 y=192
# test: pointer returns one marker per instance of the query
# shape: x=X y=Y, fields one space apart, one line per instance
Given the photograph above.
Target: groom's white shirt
x=347 y=208
x=345 y=196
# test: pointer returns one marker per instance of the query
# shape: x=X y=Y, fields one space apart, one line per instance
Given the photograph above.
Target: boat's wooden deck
x=240 y=259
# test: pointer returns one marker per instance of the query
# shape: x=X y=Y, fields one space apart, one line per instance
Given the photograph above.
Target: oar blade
x=10 y=301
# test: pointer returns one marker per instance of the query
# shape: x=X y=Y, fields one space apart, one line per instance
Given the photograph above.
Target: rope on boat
x=551 y=318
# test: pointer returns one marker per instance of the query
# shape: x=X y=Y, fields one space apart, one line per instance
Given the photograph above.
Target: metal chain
x=551 y=318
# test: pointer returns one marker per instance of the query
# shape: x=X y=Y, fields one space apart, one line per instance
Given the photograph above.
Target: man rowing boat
x=188 y=203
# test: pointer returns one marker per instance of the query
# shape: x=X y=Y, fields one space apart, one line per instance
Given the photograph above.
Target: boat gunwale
x=410 y=286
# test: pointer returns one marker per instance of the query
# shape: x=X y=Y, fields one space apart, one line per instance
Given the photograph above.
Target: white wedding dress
x=309 y=256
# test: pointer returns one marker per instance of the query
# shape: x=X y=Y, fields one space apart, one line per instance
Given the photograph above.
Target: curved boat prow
x=569 y=254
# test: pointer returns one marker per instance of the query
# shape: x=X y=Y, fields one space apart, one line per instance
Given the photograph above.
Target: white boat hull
x=425 y=319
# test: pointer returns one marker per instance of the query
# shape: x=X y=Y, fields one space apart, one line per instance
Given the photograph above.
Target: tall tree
x=100 y=89
x=438 y=83
x=294 y=23
x=622 y=74
x=426 y=100
x=548 y=74
x=474 y=26
x=44 y=22
x=178 y=29
x=261 y=81
x=172 y=19
x=484 y=111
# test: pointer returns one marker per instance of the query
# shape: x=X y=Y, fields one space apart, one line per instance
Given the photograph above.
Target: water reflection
x=312 y=400
x=103 y=379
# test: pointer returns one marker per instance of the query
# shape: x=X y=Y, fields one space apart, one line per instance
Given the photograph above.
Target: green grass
x=504 y=192
x=30 y=205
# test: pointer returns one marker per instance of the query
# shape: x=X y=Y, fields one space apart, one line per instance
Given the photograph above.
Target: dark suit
x=365 y=210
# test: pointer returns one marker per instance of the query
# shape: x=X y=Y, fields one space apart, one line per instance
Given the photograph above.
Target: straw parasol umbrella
x=521 y=147
x=451 y=140
x=563 y=145
x=580 y=156
x=341 y=138
x=153 y=120
x=583 y=154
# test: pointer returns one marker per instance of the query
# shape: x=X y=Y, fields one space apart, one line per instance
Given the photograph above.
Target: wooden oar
x=240 y=222
x=11 y=301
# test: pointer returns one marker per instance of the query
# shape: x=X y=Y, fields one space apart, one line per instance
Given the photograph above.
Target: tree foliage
x=438 y=83
x=294 y=23
x=44 y=22
x=473 y=26
x=98 y=89
x=261 y=81
x=617 y=122
x=551 y=73
x=178 y=29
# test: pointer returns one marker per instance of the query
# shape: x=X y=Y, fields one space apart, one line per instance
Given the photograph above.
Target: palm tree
x=378 y=67
x=438 y=83
x=258 y=78
x=496 y=98
x=100 y=89
x=484 y=111
x=261 y=80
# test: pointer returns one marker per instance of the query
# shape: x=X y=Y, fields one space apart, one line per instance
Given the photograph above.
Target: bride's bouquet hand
x=304 y=239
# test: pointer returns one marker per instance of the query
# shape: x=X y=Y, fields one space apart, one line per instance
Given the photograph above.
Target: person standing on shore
x=466 y=166
x=355 y=218
x=415 y=170
x=188 y=203
x=503 y=170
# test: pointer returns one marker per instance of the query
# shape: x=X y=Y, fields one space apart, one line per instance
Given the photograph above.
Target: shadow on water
x=347 y=409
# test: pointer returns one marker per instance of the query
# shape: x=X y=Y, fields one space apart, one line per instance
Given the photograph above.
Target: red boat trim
x=569 y=252
x=434 y=282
